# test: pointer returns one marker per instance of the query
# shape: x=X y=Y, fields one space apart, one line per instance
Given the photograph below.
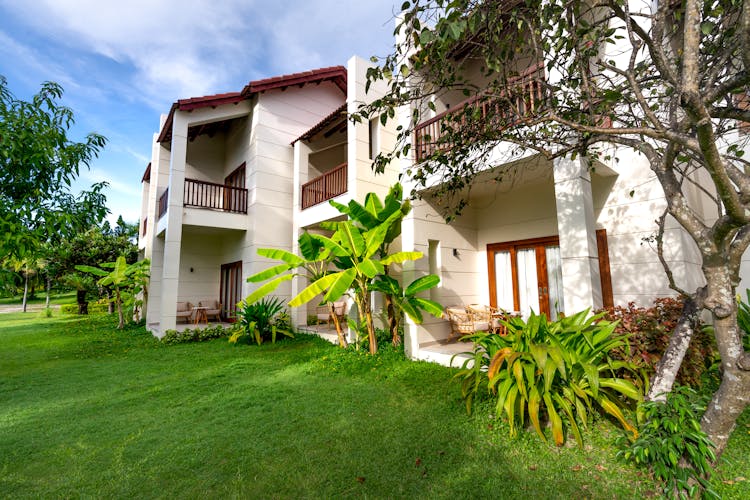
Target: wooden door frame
x=539 y=244
x=230 y=265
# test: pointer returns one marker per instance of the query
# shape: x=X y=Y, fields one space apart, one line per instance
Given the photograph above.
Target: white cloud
x=186 y=48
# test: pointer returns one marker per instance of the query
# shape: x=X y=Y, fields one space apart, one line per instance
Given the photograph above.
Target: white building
x=235 y=172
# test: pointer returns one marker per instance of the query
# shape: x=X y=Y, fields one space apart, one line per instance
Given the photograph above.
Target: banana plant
x=126 y=280
x=406 y=300
x=353 y=255
x=313 y=264
x=368 y=216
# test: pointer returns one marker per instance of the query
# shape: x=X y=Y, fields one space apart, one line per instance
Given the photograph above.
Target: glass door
x=526 y=276
x=230 y=289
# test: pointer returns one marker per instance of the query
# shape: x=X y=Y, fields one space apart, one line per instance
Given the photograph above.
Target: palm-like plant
x=313 y=264
x=561 y=369
x=370 y=215
x=126 y=280
x=406 y=300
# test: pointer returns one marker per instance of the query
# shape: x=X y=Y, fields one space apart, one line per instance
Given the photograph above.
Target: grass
x=91 y=411
x=58 y=298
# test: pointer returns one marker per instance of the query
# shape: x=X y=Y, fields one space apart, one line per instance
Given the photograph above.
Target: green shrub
x=195 y=335
x=743 y=319
x=557 y=371
x=671 y=432
x=262 y=320
x=94 y=308
x=649 y=330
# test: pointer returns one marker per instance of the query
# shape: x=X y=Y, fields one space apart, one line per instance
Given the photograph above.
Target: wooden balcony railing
x=163 y=199
x=522 y=98
x=145 y=226
x=325 y=187
x=202 y=194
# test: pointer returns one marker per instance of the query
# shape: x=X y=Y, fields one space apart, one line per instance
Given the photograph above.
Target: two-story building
x=231 y=173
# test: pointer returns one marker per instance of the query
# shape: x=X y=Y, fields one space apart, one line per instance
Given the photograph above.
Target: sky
x=122 y=64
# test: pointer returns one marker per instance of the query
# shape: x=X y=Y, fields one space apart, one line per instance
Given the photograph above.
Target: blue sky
x=122 y=64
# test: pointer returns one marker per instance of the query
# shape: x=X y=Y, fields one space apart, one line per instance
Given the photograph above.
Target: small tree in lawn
x=126 y=280
x=353 y=256
x=371 y=214
x=313 y=264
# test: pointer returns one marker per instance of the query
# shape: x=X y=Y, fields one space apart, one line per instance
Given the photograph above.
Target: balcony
x=521 y=99
x=202 y=194
x=329 y=185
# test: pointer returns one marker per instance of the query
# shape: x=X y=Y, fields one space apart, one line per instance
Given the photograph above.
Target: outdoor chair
x=185 y=311
x=460 y=320
x=323 y=313
x=213 y=308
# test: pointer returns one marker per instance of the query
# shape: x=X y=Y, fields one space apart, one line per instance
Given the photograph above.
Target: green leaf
x=267 y=288
x=370 y=268
x=268 y=273
x=93 y=270
x=422 y=284
x=340 y=285
x=400 y=257
x=282 y=255
x=430 y=306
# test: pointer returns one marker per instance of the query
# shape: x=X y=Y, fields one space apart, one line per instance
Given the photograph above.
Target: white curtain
x=528 y=284
x=504 y=281
x=554 y=278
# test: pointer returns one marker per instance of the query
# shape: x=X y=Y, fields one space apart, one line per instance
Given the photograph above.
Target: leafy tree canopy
x=38 y=163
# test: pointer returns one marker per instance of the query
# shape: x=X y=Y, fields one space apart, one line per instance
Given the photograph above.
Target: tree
x=90 y=247
x=38 y=163
x=368 y=216
x=313 y=263
x=673 y=88
x=353 y=255
x=127 y=281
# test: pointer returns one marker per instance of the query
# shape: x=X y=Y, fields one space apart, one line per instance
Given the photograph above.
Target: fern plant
x=558 y=372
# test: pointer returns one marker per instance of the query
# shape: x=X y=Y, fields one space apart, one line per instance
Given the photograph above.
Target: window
x=433 y=254
x=527 y=275
x=374 y=138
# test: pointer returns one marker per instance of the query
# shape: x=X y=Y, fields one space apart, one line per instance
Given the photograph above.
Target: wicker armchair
x=481 y=315
x=460 y=320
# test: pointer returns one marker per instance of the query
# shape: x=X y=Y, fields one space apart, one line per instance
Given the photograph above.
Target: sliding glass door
x=230 y=289
x=526 y=275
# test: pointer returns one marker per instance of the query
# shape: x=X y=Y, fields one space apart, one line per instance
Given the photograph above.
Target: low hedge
x=94 y=308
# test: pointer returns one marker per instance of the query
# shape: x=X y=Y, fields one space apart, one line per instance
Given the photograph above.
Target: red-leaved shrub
x=649 y=330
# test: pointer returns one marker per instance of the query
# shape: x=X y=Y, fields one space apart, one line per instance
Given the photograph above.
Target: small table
x=200 y=314
x=502 y=316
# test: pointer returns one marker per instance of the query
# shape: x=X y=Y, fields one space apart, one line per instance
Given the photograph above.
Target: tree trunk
x=25 y=290
x=733 y=395
x=110 y=304
x=339 y=331
x=363 y=305
x=49 y=285
x=83 y=305
x=120 y=314
x=392 y=319
x=669 y=364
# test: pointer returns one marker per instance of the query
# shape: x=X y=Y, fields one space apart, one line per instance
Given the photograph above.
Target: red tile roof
x=147 y=174
x=335 y=74
x=338 y=114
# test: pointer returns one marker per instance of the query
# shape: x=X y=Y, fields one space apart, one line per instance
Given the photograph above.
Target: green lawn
x=41 y=298
x=86 y=410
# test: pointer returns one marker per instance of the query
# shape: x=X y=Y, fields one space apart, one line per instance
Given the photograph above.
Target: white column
x=301 y=160
x=173 y=236
x=408 y=273
x=577 y=229
x=155 y=243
